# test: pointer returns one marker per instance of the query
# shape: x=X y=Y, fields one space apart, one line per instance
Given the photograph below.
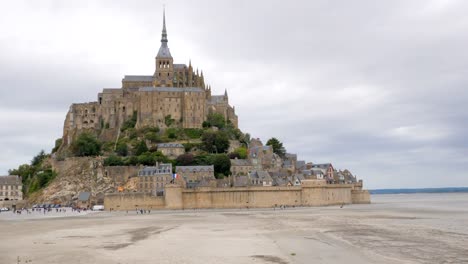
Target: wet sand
x=416 y=228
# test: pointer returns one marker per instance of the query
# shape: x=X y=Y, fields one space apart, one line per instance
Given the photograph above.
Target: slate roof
x=321 y=166
x=170 y=145
x=163 y=168
x=260 y=175
x=300 y=177
x=255 y=150
x=241 y=181
x=164 y=51
x=84 y=196
x=180 y=66
x=171 y=89
x=217 y=99
x=10 y=180
x=138 y=78
x=240 y=162
x=194 y=168
x=300 y=163
x=316 y=171
x=112 y=90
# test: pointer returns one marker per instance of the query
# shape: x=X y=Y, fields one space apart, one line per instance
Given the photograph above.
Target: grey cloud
x=377 y=87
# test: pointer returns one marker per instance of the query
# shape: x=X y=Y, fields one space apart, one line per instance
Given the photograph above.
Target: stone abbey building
x=174 y=91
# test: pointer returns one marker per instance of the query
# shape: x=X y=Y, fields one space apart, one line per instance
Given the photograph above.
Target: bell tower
x=164 y=73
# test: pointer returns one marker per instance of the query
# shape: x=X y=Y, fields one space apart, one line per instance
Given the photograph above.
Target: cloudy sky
x=378 y=87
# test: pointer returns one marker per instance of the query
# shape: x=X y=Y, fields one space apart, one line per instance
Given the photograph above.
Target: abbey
x=174 y=92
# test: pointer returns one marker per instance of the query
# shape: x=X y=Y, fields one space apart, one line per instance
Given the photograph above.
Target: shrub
x=86 y=145
x=58 y=143
x=152 y=137
x=140 y=148
x=130 y=123
x=121 y=149
x=113 y=160
x=185 y=160
x=193 y=133
x=168 y=120
x=215 y=141
x=215 y=120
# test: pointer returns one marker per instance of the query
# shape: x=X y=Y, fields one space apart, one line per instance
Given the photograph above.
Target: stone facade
x=171 y=150
x=241 y=167
x=11 y=188
x=192 y=175
x=154 y=179
x=310 y=193
x=262 y=157
x=174 y=92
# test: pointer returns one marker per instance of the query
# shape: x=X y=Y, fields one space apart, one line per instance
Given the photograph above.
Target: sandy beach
x=416 y=228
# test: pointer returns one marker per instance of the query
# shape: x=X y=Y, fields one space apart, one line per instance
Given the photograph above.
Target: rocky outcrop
x=80 y=174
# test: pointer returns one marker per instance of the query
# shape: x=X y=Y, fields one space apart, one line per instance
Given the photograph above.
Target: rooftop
x=194 y=168
x=10 y=180
x=171 y=89
x=170 y=145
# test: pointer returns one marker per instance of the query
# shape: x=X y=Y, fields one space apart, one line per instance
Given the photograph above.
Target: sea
x=421 y=190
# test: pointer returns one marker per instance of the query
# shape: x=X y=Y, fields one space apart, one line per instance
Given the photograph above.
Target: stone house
x=328 y=170
x=194 y=175
x=171 y=150
x=11 y=188
x=263 y=158
x=241 y=167
x=84 y=200
x=154 y=179
x=290 y=162
x=260 y=178
x=241 y=181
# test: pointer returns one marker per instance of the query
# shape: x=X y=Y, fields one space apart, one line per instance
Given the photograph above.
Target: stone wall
x=120 y=174
x=131 y=201
x=313 y=193
x=360 y=197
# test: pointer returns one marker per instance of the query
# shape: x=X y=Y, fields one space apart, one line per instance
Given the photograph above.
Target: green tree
x=277 y=146
x=146 y=159
x=168 y=120
x=25 y=171
x=221 y=163
x=45 y=177
x=193 y=133
x=242 y=151
x=122 y=149
x=38 y=158
x=130 y=123
x=58 y=143
x=217 y=142
x=131 y=161
x=140 y=148
x=153 y=137
x=86 y=145
x=159 y=157
x=186 y=159
x=172 y=133
x=113 y=160
x=215 y=120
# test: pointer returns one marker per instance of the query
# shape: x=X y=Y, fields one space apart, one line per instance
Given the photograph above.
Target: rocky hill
x=75 y=175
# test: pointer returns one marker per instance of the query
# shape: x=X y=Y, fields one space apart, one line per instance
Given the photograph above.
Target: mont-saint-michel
x=164 y=141
x=232 y=132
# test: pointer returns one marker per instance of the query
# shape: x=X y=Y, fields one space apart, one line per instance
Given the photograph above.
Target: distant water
x=421 y=190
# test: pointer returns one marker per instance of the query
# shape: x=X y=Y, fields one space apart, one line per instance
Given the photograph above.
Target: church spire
x=164 y=49
x=164 y=32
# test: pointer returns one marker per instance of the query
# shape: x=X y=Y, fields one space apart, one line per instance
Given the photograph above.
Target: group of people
x=142 y=211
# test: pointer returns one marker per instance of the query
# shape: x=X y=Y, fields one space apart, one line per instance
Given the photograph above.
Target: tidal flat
x=408 y=228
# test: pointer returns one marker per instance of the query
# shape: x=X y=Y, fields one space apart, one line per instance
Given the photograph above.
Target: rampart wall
x=243 y=197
